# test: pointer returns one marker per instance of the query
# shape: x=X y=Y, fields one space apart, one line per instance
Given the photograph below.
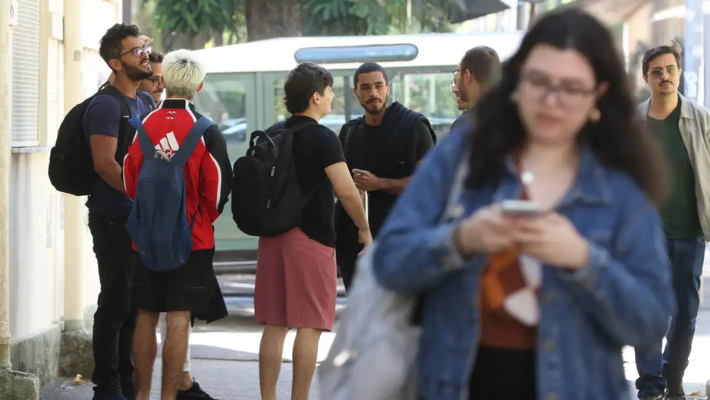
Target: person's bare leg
x=145 y=348
x=186 y=382
x=305 y=355
x=174 y=352
x=270 y=358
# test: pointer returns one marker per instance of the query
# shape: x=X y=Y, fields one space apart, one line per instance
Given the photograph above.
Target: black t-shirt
x=315 y=148
x=374 y=136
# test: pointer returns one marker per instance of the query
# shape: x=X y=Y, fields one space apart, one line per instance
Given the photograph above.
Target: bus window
x=223 y=99
x=342 y=110
x=429 y=94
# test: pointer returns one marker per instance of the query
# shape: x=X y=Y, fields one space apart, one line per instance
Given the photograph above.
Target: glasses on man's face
x=155 y=80
x=138 y=51
x=456 y=73
x=569 y=95
x=658 y=72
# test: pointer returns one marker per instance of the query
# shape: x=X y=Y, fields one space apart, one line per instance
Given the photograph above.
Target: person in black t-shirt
x=296 y=274
x=383 y=148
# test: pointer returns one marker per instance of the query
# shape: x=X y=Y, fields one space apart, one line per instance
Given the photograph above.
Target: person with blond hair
x=188 y=291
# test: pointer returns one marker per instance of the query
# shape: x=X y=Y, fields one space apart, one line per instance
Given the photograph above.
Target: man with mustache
x=154 y=85
x=682 y=128
x=106 y=126
x=382 y=150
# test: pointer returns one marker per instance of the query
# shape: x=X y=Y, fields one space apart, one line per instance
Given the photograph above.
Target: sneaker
x=194 y=393
x=675 y=393
x=108 y=393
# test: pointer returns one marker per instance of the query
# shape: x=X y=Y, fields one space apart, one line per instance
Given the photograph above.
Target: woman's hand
x=552 y=239
x=486 y=231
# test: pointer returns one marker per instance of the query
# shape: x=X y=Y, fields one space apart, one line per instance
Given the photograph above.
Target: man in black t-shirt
x=296 y=274
x=382 y=149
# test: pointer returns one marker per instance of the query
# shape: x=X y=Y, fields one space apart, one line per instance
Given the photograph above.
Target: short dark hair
x=368 y=67
x=302 y=82
x=156 y=57
x=658 y=51
x=111 y=45
x=483 y=62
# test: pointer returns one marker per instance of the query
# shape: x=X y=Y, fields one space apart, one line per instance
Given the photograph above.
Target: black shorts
x=193 y=288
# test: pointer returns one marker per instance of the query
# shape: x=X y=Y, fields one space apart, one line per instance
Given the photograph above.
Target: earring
x=514 y=96
x=595 y=115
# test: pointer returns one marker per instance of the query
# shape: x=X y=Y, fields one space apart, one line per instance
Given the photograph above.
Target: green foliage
x=345 y=17
x=212 y=18
x=375 y=17
x=193 y=17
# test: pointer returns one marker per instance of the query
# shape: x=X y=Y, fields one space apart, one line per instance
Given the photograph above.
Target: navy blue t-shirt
x=103 y=117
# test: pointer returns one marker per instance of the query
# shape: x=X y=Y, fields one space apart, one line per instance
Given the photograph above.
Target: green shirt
x=680 y=212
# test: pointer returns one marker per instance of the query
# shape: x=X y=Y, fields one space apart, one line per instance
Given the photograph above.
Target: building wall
x=36 y=220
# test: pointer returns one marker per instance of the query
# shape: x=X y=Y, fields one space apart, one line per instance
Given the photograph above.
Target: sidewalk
x=225 y=363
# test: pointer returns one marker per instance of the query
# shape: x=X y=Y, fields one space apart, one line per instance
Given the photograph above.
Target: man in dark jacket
x=382 y=149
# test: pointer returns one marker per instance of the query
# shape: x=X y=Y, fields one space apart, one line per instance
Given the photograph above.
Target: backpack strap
x=112 y=91
x=191 y=140
x=147 y=147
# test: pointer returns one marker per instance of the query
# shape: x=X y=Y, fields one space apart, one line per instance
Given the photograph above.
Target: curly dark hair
x=302 y=82
x=617 y=139
x=111 y=44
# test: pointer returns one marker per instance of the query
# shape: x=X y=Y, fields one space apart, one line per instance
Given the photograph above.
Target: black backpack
x=71 y=166
x=267 y=198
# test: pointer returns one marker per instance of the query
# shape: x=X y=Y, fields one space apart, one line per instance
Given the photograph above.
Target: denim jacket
x=694 y=127
x=622 y=297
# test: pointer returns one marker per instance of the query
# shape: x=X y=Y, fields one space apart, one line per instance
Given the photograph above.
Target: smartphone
x=520 y=208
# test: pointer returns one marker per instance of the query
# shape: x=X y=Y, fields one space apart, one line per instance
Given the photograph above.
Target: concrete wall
x=36 y=222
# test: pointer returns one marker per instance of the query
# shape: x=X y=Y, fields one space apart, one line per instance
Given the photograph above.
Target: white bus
x=244 y=89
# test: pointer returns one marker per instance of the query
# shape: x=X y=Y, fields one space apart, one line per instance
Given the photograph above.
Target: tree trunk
x=268 y=19
x=198 y=42
x=218 y=39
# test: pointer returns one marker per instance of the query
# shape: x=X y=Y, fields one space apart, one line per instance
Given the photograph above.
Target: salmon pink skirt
x=296 y=282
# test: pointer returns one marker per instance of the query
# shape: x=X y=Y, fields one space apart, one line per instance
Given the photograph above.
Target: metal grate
x=25 y=74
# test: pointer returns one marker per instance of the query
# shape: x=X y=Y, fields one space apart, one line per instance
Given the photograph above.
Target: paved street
x=225 y=363
x=225 y=355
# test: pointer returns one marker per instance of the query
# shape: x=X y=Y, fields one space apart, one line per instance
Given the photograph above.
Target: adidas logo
x=168 y=145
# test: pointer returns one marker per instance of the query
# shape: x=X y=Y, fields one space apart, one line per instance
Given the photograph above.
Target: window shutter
x=25 y=74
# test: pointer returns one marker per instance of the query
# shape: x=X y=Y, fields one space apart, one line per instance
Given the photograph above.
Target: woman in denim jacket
x=537 y=307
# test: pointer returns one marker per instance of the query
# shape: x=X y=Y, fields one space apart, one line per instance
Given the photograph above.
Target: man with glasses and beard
x=382 y=149
x=682 y=128
x=106 y=126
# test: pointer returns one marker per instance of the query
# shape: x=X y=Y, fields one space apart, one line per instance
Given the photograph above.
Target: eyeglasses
x=155 y=80
x=659 y=71
x=455 y=72
x=138 y=51
x=538 y=87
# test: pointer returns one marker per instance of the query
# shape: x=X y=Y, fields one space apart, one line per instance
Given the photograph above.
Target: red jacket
x=208 y=172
